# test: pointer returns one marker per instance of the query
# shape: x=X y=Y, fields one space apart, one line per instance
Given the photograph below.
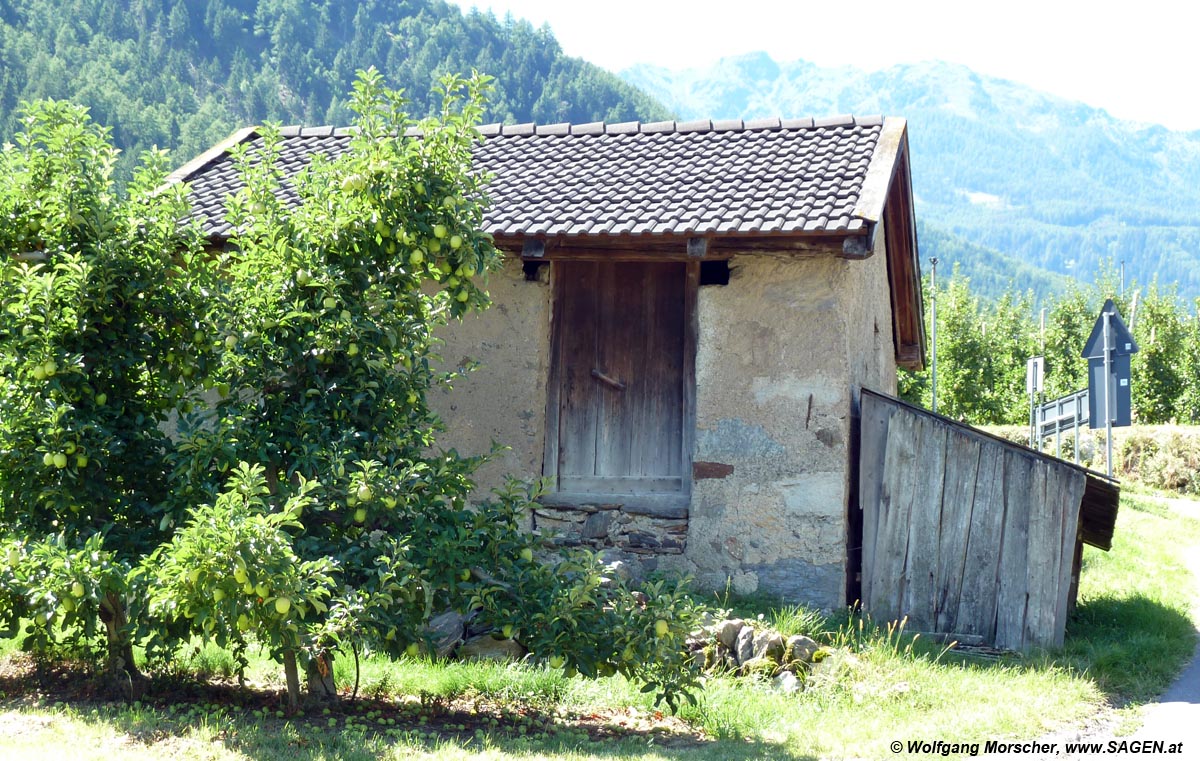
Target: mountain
x=185 y=73
x=1054 y=184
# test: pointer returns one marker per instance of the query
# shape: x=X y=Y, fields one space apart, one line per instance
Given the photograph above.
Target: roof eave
x=887 y=196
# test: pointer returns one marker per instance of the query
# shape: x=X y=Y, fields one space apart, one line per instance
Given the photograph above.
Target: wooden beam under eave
x=860 y=246
x=910 y=357
x=672 y=247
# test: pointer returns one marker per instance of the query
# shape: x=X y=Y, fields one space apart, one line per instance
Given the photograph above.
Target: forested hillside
x=1052 y=183
x=185 y=73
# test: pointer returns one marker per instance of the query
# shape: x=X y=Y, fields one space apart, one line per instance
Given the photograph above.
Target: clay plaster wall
x=504 y=399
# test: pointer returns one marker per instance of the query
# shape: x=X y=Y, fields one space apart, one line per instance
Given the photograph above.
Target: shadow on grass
x=1131 y=648
x=251 y=722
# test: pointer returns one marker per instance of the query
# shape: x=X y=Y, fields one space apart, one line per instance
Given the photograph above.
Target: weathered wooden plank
x=977 y=594
x=900 y=476
x=620 y=484
x=691 y=329
x=925 y=526
x=578 y=408
x=1073 y=484
x=1042 y=556
x=1012 y=596
x=874 y=417
x=962 y=473
x=657 y=434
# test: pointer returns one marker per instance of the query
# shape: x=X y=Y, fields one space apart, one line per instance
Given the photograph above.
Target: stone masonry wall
x=778 y=358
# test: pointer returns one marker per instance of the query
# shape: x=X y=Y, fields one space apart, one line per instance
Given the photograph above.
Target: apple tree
x=325 y=328
x=99 y=293
x=324 y=332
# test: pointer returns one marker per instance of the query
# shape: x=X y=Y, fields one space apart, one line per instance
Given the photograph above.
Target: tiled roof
x=773 y=177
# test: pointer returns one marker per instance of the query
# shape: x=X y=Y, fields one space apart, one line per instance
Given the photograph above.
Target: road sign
x=1107 y=351
x=1109 y=393
x=1035 y=374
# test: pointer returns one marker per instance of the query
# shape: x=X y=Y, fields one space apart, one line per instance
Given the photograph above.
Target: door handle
x=608 y=380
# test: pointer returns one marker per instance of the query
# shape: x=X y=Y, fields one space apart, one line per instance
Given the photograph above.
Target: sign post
x=1107 y=351
x=1035 y=375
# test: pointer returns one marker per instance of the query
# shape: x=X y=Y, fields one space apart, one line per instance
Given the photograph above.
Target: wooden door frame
x=645 y=502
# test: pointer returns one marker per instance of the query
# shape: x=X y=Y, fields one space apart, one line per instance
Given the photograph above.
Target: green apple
x=14 y=556
x=329 y=302
x=240 y=575
x=455 y=242
x=262 y=590
x=218 y=595
x=464 y=574
x=352 y=349
x=60 y=460
x=507 y=631
x=39 y=373
x=231 y=342
x=526 y=554
x=661 y=627
x=416 y=257
x=77 y=589
x=70 y=447
x=48 y=459
x=556 y=661
x=248 y=589
x=360 y=515
x=282 y=605
x=49 y=368
x=101 y=399
x=413 y=650
x=463 y=295
x=81 y=461
x=468 y=270
x=243 y=622
x=303 y=278
x=439 y=231
x=198 y=337
x=364 y=493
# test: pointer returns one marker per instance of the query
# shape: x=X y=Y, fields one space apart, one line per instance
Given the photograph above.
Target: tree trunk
x=122 y=674
x=321 y=686
x=292 y=674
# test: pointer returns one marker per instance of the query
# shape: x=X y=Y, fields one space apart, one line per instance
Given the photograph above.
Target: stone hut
x=684 y=321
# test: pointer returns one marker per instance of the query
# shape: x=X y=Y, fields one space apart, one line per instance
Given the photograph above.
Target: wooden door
x=622 y=377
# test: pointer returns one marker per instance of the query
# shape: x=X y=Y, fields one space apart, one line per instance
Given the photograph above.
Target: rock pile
x=735 y=646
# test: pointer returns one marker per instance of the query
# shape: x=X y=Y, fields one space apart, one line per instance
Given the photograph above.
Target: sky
x=1137 y=60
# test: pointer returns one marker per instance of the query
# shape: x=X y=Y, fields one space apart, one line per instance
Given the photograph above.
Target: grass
x=1132 y=631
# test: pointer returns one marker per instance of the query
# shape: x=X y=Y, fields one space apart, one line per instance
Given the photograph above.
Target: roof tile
x=797 y=176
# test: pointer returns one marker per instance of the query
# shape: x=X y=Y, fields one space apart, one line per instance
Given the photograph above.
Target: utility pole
x=933 y=364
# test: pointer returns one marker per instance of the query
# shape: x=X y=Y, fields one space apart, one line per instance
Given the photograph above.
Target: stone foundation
x=636 y=536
